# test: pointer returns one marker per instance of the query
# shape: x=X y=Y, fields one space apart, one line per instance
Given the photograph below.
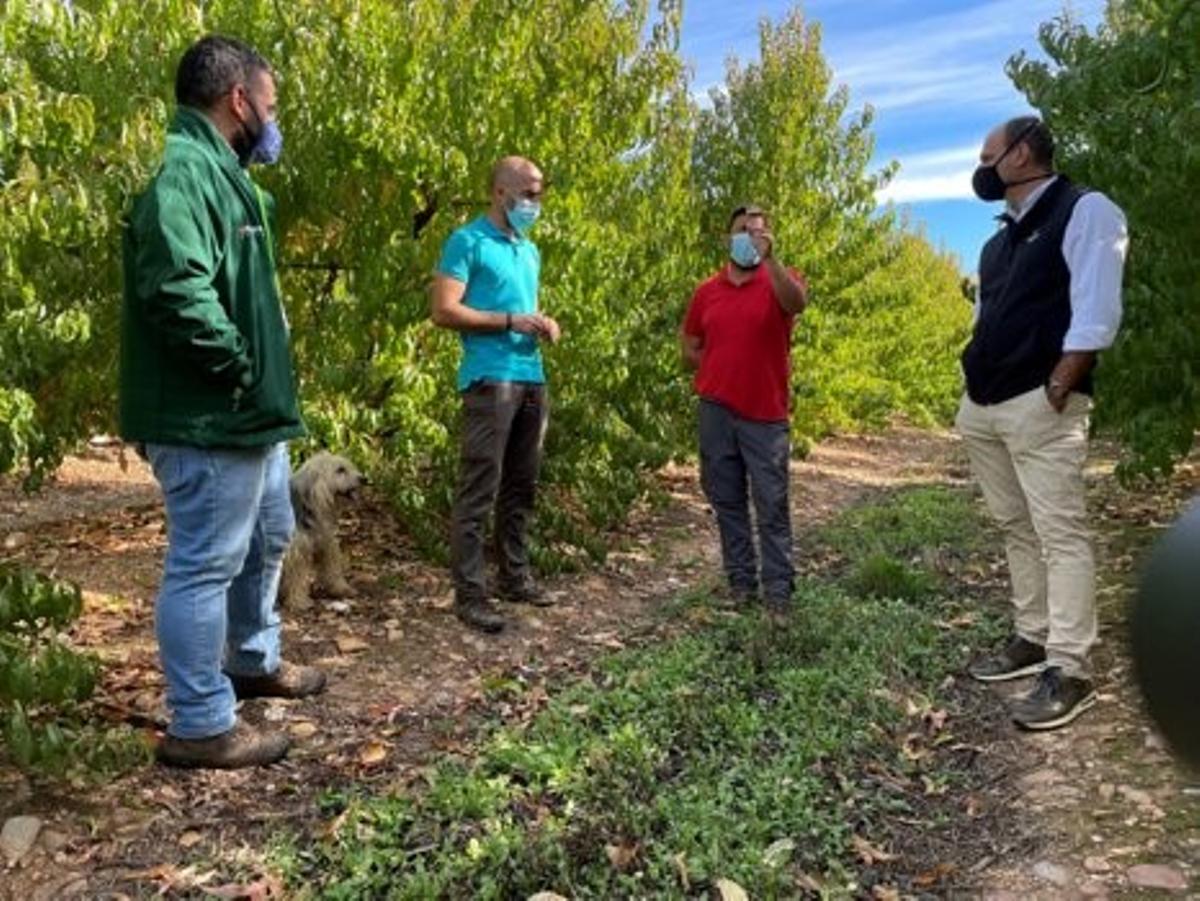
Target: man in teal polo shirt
x=485 y=288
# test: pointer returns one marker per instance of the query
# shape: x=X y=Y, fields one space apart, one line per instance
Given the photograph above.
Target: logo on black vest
x=1037 y=233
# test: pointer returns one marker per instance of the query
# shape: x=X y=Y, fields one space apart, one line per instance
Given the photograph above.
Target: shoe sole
x=1085 y=703
x=1032 y=670
x=486 y=630
x=526 y=602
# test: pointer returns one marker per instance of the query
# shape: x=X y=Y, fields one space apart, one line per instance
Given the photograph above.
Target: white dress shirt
x=1094 y=245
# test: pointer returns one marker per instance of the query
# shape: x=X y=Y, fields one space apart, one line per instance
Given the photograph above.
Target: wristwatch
x=508 y=322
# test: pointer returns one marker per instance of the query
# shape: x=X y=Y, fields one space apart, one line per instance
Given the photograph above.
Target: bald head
x=514 y=172
x=514 y=180
x=1030 y=140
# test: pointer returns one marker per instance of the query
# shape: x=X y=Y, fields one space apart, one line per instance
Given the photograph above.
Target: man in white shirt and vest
x=1049 y=301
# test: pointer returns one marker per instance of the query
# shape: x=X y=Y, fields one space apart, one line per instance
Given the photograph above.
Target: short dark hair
x=748 y=210
x=212 y=67
x=1033 y=132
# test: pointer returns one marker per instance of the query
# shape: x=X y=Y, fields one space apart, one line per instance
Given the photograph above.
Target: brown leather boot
x=289 y=681
x=242 y=746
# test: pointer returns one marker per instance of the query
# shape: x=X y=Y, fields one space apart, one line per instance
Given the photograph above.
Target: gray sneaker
x=1055 y=701
x=1017 y=659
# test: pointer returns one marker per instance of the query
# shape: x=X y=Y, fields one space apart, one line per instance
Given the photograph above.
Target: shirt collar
x=515 y=238
x=1017 y=213
x=725 y=273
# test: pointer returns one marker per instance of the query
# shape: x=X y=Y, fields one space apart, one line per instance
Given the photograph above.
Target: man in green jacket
x=208 y=394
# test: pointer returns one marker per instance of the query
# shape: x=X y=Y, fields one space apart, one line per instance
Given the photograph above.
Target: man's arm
x=175 y=266
x=447 y=310
x=790 y=291
x=1094 y=247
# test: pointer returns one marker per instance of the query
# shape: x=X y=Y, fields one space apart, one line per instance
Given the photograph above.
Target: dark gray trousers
x=504 y=424
x=734 y=451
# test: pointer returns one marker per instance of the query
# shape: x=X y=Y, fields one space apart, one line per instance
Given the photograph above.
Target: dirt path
x=1104 y=810
x=407 y=682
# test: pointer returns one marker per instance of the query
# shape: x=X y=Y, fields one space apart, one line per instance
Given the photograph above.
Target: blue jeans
x=229 y=520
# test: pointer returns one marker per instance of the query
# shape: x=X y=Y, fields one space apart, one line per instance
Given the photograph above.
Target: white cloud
x=941 y=174
x=947 y=59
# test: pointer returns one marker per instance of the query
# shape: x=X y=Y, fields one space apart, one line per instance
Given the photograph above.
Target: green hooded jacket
x=205 y=360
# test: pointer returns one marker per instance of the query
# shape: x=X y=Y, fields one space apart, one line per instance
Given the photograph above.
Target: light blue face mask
x=522 y=215
x=269 y=145
x=743 y=252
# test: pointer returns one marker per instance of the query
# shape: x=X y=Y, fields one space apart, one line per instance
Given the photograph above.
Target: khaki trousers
x=1028 y=459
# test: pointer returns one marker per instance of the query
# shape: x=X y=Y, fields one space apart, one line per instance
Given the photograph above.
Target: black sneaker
x=1018 y=658
x=779 y=610
x=479 y=615
x=737 y=597
x=526 y=593
x=1055 y=701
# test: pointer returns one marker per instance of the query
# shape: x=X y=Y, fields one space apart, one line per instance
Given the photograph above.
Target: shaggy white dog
x=314 y=559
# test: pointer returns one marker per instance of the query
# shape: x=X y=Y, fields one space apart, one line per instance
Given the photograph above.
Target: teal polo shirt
x=501 y=275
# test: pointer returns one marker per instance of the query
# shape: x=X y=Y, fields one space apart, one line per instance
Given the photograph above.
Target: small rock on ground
x=1158 y=876
x=18 y=836
x=1053 y=873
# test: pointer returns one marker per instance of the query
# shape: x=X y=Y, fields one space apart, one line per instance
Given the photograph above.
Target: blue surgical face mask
x=522 y=214
x=743 y=252
x=269 y=146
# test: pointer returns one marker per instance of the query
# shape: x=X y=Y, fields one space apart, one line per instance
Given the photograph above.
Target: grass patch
x=897 y=546
x=735 y=751
x=908 y=523
x=881 y=576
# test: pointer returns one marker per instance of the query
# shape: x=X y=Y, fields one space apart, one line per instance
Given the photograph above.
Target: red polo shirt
x=746 y=342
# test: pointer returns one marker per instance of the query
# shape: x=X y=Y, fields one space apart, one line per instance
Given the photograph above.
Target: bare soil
x=408 y=683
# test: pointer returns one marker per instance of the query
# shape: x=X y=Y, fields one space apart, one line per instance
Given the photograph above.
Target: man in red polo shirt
x=737 y=336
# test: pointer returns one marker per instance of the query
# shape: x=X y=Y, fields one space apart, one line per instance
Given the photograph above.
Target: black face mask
x=988 y=184
x=247 y=139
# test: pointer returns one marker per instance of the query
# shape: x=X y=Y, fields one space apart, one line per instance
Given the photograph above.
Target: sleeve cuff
x=1088 y=340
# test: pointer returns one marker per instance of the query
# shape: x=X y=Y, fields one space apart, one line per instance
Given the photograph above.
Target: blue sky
x=932 y=69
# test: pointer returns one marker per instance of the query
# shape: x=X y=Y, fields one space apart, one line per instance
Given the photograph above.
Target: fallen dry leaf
x=350 y=644
x=779 y=852
x=190 y=838
x=885 y=893
x=263 y=889
x=303 y=729
x=373 y=753
x=935 y=720
x=930 y=878
x=868 y=853
x=679 y=861
x=728 y=890
x=621 y=856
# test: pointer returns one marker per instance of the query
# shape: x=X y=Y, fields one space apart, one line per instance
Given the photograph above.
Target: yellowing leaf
x=373 y=753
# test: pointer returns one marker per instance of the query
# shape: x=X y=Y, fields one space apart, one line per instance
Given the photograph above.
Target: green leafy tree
x=1122 y=103
x=393 y=114
x=886 y=318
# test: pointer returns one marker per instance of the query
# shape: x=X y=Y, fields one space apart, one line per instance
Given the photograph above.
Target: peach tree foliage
x=1124 y=103
x=393 y=113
